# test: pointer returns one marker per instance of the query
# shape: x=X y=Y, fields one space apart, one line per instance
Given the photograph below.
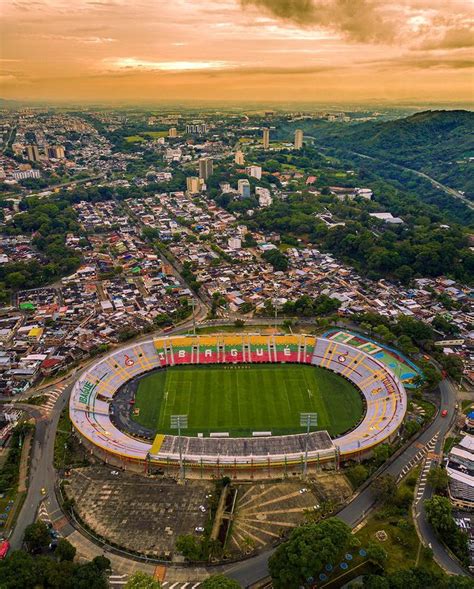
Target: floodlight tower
x=178 y=422
x=307 y=420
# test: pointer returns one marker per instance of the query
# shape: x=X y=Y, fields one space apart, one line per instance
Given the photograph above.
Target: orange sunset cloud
x=306 y=50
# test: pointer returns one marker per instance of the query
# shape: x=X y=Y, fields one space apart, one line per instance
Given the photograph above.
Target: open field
x=243 y=398
x=134 y=139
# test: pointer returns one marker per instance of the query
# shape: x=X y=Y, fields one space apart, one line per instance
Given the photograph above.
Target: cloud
x=456 y=38
x=423 y=62
x=131 y=63
x=358 y=20
x=90 y=40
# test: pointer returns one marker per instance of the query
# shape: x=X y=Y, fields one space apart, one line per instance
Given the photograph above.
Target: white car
x=114 y=472
x=303 y=490
x=199 y=529
x=202 y=508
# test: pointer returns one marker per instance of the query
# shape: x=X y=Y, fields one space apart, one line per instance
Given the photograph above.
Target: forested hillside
x=437 y=143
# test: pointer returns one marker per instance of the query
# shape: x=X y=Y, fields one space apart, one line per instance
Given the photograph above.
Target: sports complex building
x=218 y=453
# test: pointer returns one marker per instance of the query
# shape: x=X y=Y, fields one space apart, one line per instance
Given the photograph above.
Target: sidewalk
x=24 y=460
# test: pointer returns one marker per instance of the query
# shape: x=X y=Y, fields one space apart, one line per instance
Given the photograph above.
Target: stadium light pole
x=178 y=422
x=309 y=420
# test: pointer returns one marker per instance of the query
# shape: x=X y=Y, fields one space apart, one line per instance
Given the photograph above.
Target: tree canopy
x=308 y=549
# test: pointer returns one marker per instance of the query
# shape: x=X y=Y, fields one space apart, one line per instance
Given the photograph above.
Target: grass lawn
x=134 y=139
x=244 y=398
x=156 y=134
x=402 y=545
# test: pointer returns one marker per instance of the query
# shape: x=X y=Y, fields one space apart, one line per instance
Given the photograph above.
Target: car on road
x=4 y=548
x=114 y=472
x=43 y=491
x=202 y=508
x=444 y=412
x=199 y=529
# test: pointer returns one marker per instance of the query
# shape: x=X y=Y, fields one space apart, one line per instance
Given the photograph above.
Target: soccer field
x=244 y=398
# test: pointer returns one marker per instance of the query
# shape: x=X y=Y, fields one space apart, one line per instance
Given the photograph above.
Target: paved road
x=256 y=568
x=446 y=189
x=440 y=554
x=43 y=476
x=42 y=473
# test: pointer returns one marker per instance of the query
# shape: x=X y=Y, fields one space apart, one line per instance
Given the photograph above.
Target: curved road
x=43 y=475
x=256 y=568
x=446 y=189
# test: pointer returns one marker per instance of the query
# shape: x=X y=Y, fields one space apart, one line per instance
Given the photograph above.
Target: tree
x=37 y=536
x=65 y=550
x=375 y=582
x=458 y=582
x=278 y=260
x=385 y=487
x=102 y=563
x=438 y=478
x=190 y=547
x=220 y=582
x=140 y=580
x=376 y=554
x=382 y=453
x=307 y=550
x=92 y=575
x=357 y=474
x=18 y=570
x=439 y=515
x=414 y=578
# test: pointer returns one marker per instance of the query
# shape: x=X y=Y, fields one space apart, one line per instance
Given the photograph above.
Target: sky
x=237 y=50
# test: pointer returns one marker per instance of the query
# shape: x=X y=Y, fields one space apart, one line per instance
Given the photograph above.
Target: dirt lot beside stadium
x=147 y=515
x=135 y=512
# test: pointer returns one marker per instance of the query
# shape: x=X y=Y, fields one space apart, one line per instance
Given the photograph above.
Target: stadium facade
x=272 y=456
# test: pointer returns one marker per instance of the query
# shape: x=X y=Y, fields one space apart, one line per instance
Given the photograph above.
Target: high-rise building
x=298 y=139
x=56 y=152
x=172 y=132
x=193 y=185
x=205 y=167
x=254 y=172
x=239 y=158
x=266 y=138
x=243 y=186
x=32 y=153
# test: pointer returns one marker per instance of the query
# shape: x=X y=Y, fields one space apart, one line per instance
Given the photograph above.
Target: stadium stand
x=90 y=406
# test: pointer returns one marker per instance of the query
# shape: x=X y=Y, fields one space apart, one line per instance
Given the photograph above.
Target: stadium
x=242 y=401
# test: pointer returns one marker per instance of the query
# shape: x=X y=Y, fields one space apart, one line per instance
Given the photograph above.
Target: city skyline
x=238 y=50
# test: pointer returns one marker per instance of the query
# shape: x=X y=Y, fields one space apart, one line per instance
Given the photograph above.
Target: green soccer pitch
x=244 y=398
